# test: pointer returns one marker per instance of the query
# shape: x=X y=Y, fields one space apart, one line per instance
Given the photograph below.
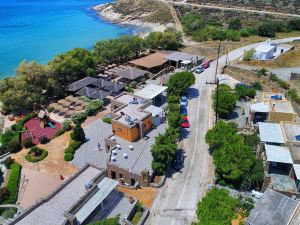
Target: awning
x=150 y=91
x=155 y=111
x=105 y=187
x=278 y=154
x=259 y=107
x=271 y=132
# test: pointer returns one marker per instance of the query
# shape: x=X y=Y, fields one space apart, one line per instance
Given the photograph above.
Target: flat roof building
x=176 y=58
x=274 y=208
x=85 y=197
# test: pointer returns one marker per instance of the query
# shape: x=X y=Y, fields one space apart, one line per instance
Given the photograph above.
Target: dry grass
x=209 y=49
x=146 y=195
x=237 y=220
x=295 y=84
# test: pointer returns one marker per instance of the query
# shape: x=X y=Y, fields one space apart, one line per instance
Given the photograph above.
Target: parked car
x=199 y=69
x=206 y=64
x=183 y=110
x=185 y=122
x=178 y=161
x=183 y=101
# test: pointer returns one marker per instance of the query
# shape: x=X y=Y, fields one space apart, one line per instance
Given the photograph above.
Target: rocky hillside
x=283 y=6
x=143 y=10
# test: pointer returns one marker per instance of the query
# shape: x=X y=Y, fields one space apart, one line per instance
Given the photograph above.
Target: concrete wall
x=277 y=117
x=126 y=176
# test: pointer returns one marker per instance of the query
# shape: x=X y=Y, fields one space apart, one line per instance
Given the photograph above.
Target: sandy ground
x=145 y=195
x=34 y=186
x=54 y=165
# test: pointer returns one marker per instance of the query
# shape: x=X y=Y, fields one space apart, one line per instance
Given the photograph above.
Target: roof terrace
x=132 y=110
x=282 y=106
x=291 y=131
x=272 y=96
x=135 y=156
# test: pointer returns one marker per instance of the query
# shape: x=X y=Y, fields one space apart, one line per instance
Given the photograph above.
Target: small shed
x=157 y=114
x=176 y=58
x=151 y=92
x=271 y=133
x=151 y=62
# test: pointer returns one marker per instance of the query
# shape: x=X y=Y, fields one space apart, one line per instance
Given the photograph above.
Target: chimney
x=273 y=106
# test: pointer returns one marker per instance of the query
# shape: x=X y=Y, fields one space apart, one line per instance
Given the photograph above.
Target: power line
x=216 y=82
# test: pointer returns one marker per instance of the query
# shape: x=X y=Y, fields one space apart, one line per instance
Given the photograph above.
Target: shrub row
x=19 y=126
x=71 y=149
x=13 y=183
x=279 y=81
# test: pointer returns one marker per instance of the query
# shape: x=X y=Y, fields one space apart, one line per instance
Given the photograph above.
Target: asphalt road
x=177 y=199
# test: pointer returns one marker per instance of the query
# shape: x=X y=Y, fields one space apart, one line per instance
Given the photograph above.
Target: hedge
x=107 y=120
x=33 y=159
x=71 y=149
x=58 y=133
x=13 y=183
x=68 y=156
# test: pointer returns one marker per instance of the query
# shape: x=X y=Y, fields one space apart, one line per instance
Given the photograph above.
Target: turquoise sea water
x=40 y=29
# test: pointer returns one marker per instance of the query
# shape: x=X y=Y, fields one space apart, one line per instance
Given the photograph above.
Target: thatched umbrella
x=53 y=105
x=66 y=104
x=78 y=108
x=61 y=101
x=79 y=102
x=69 y=113
x=63 y=110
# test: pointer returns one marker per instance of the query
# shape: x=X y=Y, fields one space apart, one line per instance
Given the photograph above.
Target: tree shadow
x=184 y=133
x=193 y=93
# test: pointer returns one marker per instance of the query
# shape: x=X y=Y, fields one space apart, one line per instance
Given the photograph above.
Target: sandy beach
x=107 y=12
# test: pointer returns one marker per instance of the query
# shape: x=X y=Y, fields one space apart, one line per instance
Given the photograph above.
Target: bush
x=235 y=24
x=294 y=24
x=292 y=94
x=266 y=30
x=14 y=146
x=256 y=85
x=93 y=106
x=58 y=133
x=107 y=120
x=28 y=142
x=71 y=149
x=13 y=183
x=232 y=35
x=66 y=125
x=43 y=140
x=78 y=118
x=262 y=72
x=274 y=77
x=248 y=55
x=4 y=194
x=7 y=137
x=78 y=134
x=17 y=127
x=50 y=109
x=68 y=156
x=36 y=154
x=245 y=32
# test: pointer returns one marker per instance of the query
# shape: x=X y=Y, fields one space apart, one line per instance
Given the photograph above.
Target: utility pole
x=216 y=82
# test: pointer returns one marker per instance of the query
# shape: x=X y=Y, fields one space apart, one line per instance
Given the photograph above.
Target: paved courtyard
x=89 y=152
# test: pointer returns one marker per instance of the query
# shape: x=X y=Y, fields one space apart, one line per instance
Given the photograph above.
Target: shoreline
x=142 y=29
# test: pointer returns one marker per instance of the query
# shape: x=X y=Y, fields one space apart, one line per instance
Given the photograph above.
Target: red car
x=206 y=64
x=185 y=122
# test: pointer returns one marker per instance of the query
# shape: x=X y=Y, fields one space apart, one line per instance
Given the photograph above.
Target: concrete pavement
x=177 y=199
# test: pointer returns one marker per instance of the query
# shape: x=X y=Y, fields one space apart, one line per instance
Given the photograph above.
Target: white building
x=265 y=51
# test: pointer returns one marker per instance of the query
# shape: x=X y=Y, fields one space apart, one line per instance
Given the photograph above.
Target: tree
x=118 y=50
x=266 y=30
x=180 y=82
x=78 y=134
x=29 y=89
x=217 y=208
x=226 y=102
x=222 y=132
x=14 y=146
x=294 y=24
x=235 y=24
x=73 y=65
x=163 y=152
x=170 y=39
x=174 y=119
x=192 y=22
x=248 y=55
x=233 y=162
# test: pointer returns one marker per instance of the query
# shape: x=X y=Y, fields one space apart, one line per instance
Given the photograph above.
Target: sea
x=40 y=29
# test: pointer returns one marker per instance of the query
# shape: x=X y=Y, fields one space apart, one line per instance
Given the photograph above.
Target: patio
x=37 y=129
